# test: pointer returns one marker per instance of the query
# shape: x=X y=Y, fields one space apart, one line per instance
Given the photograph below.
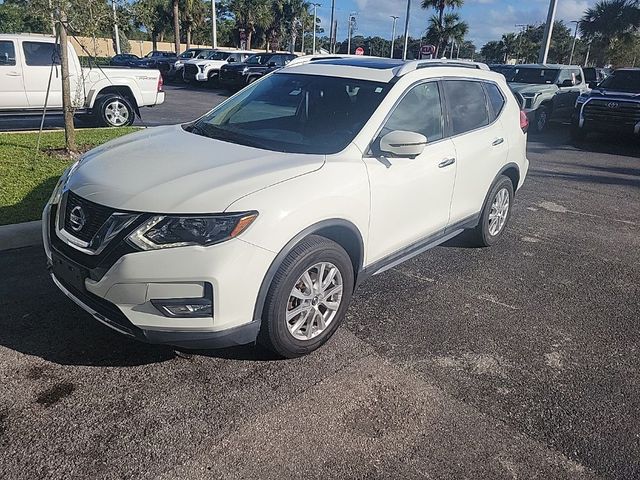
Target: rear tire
x=308 y=298
x=113 y=110
x=495 y=213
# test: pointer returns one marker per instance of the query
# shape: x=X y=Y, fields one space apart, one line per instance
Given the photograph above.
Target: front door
x=12 y=94
x=410 y=198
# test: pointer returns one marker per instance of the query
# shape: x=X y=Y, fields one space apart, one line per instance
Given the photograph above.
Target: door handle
x=446 y=162
x=497 y=141
x=13 y=74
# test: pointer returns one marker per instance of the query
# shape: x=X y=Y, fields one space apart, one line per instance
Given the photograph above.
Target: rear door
x=38 y=59
x=12 y=94
x=481 y=143
x=566 y=96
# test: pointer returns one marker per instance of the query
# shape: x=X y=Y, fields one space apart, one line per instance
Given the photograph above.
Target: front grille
x=94 y=216
x=190 y=70
x=612 y=111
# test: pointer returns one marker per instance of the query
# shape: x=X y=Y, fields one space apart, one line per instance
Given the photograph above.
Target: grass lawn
x=27 y=179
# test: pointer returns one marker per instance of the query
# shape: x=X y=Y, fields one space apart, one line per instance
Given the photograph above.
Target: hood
x=603 y=92
x=169 y=170
x=202 y=61
x=532 y=88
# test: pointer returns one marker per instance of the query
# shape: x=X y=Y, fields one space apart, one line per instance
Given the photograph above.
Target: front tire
x=113 y=110
x=495 y=213
x=308 y=298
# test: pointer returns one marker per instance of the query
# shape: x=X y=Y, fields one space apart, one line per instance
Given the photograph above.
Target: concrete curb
x=20 y=235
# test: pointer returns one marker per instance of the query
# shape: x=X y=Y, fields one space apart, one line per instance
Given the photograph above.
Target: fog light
x=187 y=307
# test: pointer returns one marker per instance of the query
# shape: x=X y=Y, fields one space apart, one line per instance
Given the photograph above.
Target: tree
x=154 y=17
x=251 y=15
x=449 y=29
x=440 y=6
x=176 y=25
x=18 y=16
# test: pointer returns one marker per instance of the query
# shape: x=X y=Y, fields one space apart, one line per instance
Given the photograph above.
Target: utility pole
x=548 y=31
x=334 y=31
x=522 y=30
x=586 y=58
x=69 y=132
x=214 y=26
x=352 y=19
x=393 y=33
x=315 y=14
x=406 y=30
x=115 y=27
x=573 y=45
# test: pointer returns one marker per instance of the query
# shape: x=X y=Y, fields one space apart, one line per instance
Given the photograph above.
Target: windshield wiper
x=217 y=133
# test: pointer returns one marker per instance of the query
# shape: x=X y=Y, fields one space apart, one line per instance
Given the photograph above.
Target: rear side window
x=496 y=100
x=7 y=53
x=41 y=54
x=419 y=111
x=467 y=105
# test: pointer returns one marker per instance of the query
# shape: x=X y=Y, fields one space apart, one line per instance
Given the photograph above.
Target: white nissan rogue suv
x=258 y=220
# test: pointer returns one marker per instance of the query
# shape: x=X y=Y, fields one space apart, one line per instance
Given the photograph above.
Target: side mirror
x=401 y=143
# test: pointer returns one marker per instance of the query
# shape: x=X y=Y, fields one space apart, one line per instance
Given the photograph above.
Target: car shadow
x=34 y=201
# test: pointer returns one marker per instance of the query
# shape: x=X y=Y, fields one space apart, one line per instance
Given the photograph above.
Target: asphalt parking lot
x=518 y=361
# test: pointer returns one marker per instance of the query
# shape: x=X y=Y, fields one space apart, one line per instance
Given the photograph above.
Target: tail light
x=161 y=83
x=524 y=122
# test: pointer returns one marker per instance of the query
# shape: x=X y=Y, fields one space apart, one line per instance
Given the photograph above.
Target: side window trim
x=445 y=133
x=489 y=104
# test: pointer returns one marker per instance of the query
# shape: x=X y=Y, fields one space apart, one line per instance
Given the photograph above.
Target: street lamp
x=548 y=31
x=573 y=45
x=393 y=33
x=406 y=30
x=214 y=27
x=352 y=19
x=315 y=10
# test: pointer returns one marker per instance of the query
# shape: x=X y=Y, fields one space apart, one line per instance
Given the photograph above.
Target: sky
x=487 y=19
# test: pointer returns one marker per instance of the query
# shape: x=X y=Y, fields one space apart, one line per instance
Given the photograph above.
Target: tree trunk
x=248 y=40
x=67 y=107
x=176 y=25
x=154 y=40
x=440 y=20
x=188 y=36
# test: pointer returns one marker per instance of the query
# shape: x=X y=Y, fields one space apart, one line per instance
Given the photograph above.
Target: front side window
x=258 y=59
x=577 y=75
x=294 y=113
x=419 y=111
x=7 y=53
x=41 y=54
x=495 y=99
x=467 y=105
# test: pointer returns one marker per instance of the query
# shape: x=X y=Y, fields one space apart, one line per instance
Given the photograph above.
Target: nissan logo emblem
x=77 y=218
x=612 y=105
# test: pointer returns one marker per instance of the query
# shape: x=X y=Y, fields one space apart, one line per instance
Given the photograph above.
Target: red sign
x=427 y=49
x=359 y=51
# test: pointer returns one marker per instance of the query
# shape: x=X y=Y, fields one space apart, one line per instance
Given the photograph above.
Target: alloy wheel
x=499 y=212
x=314 y=301
x=116 y=113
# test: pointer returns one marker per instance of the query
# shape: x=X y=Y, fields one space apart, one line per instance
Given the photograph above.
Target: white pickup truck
x=109 y=96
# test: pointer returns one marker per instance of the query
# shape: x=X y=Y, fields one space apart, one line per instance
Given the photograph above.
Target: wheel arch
x=343 y=232
x=122 y=90
x=512 y=171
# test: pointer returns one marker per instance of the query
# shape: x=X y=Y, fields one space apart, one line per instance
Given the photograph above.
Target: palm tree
x=193 y=16
x=176 y=25
x=251 y=14
x=440 y=6
x=610 y=21
x=450 y=28
x=510 y=45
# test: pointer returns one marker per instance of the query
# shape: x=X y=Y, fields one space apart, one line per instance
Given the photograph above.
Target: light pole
x=352 y=19
x=548 y=31
x=573 y=45
x=522 y=27
x=115 y=27
x=214 y=26
x=334 y=31
x=315 y=10
x=406 y=31
x=393 y=33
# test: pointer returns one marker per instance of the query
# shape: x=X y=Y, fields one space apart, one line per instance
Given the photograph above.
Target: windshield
x=258 y=59
x=218 y=55
x=294 y=113
x=535 y=75
x=623 y=81
x=203 y=54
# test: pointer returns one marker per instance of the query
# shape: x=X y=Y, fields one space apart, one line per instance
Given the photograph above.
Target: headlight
x=245 y=70
x=179 y=231
x=581 y=99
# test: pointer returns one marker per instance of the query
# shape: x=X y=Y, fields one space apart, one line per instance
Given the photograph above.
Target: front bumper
x=204 y=76
x=121 y=297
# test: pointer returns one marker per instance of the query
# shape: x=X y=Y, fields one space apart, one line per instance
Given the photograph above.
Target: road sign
x=359 y=51
x=427 y=49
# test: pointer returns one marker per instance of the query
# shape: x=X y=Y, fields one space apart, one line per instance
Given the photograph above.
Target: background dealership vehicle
x=237 y=75
x=124 y=60
x=549 y=91
x=206 y=69
x=110 y=96
x=593 y=76
x=613 y=106
x=163 y=61
x=506 y=70
x=285 y=197
x=188 y=55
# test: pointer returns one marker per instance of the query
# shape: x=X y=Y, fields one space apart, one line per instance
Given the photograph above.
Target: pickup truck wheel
x=542 y=119
x=495 y=213
x=114 y=111
x=308 y=298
